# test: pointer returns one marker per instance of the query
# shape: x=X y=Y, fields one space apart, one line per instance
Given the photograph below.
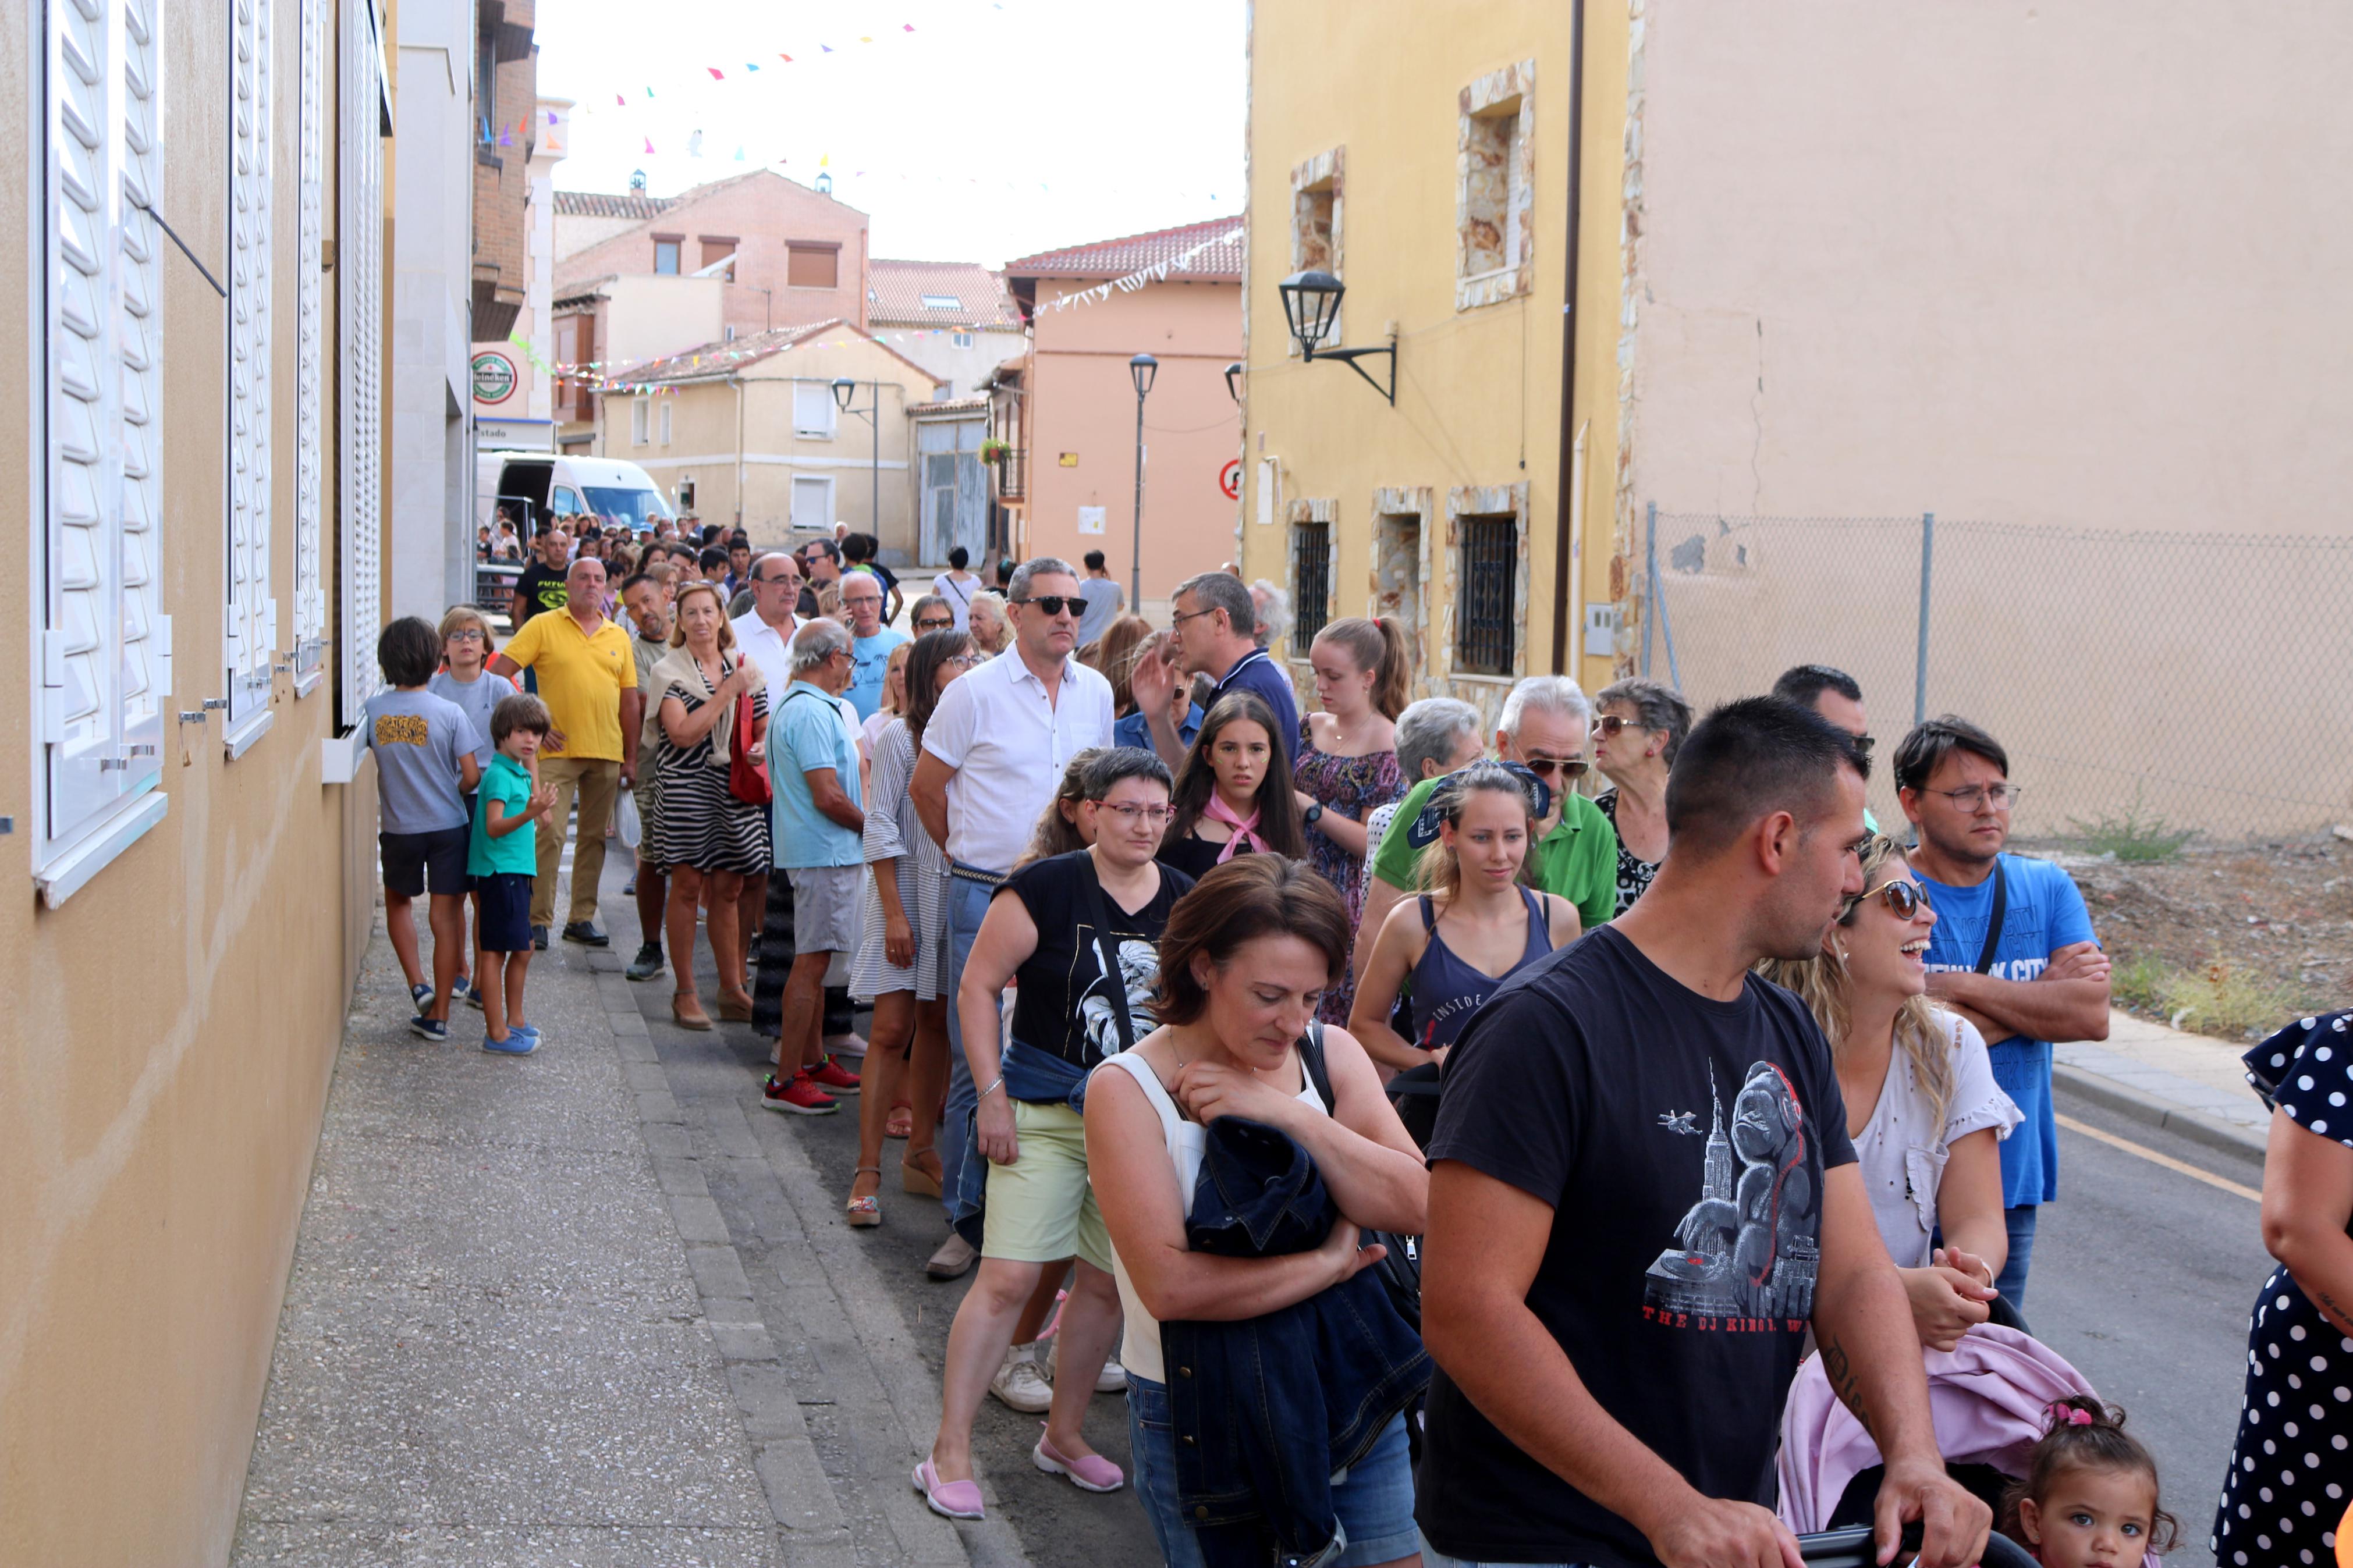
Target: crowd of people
x=1450 y=1164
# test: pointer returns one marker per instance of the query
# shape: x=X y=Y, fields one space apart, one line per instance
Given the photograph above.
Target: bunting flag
x=650 y=145
x=1137 y=279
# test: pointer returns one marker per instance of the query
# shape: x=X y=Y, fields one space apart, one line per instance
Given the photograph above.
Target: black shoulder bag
x=1106 y=951
x=1993 y=926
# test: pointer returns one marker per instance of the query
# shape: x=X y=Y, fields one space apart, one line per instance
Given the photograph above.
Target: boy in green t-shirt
x=502 y=859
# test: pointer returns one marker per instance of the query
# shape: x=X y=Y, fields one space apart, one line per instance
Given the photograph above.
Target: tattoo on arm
x=1845 y=1384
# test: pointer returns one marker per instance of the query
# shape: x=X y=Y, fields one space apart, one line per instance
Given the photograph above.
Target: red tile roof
x=895 y=293
x=730 y=356
x=1118 y=257
x=599 y=204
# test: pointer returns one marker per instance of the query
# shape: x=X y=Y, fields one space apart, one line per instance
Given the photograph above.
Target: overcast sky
x=990 y=131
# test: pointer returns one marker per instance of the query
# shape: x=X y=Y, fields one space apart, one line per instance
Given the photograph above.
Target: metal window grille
x=1311 y=583
x=1484 y=619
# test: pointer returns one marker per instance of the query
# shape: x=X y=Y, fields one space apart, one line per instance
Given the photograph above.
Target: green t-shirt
x=1577 y=860
x=507 y=781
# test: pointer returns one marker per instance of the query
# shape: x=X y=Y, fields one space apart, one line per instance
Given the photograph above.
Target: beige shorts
x=1040 y=1208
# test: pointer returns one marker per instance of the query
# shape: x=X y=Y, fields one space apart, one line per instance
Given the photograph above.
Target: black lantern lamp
x=1310 y=301
x=1143 y=368
x=843 y=390
x=1234 y=381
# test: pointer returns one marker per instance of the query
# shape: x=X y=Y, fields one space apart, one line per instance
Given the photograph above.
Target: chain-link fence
x=2204 y=681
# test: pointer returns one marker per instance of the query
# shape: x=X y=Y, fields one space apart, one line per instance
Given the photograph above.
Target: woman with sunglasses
x=1638 y=727
x=1233 y=795
x=1922 y=1106
x=1077 y=936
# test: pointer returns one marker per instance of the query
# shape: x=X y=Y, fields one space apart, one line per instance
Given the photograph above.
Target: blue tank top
x=1447 y=991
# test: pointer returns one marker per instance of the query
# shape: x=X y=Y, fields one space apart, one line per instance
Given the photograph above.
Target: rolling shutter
x=310 y=604
x=251 y=612
x=359 y=268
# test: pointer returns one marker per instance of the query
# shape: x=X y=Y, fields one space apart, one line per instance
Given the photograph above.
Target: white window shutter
x=310 y=345
x=252 y=152
x=359 y=269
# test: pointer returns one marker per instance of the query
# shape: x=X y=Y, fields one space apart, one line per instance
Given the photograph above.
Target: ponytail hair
x=1378 y=645
x=2086 y=1434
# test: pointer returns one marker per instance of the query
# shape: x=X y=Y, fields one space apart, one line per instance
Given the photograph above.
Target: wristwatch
x=1312 y=813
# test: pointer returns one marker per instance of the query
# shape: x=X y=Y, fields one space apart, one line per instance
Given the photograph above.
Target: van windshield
x=637 y=509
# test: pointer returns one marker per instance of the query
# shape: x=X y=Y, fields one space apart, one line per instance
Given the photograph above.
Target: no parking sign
x=1230 y=478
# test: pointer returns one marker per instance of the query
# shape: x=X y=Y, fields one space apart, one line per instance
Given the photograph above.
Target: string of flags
x=1156 y=273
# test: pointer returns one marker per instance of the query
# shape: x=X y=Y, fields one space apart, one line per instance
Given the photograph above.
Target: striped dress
x=700 y=825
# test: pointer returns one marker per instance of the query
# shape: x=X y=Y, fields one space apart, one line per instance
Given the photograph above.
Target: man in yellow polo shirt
x=588 y=679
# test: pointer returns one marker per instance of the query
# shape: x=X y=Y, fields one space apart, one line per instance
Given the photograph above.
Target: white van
x=536 y=485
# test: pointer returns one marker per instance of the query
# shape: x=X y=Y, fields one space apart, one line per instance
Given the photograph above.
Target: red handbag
x=746 y=780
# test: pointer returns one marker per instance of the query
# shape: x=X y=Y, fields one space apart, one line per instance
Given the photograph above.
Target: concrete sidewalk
x=2189 y=1084
x=517 y=1332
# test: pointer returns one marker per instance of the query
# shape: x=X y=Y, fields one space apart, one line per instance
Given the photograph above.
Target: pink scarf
x=1245 y=828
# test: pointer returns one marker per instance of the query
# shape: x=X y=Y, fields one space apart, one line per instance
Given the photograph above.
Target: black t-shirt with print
x=1681 y=1143
x=1060 y=1004
x=542 y=589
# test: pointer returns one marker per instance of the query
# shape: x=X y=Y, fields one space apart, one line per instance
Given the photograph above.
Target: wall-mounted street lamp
x=1310 y=301
x=1234 y=381
x=1141 y=370
x=843 y=389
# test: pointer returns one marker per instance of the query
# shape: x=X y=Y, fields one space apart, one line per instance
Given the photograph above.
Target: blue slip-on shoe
x=518 y=1043
x=431 y=1028
x=420 y=993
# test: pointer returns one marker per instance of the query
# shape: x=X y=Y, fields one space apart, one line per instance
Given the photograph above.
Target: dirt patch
x=2239 y=939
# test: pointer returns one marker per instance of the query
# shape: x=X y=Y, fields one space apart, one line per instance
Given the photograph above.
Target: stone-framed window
x=1310 y=572
x=1494 y=189
x=1487 y=543
x=1401 y=569
x=1318 y=205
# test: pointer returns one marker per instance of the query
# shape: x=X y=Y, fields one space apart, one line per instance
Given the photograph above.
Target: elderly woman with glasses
x=1638 y=727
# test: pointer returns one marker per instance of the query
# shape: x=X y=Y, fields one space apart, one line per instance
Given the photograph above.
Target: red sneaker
x=832 y=1076
x=797 y=1095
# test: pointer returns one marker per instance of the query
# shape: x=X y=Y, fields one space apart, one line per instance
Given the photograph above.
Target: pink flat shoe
x=1093 y=1474
x=949 y=1500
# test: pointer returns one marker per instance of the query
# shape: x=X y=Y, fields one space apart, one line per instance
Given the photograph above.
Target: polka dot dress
x=2291 y=1469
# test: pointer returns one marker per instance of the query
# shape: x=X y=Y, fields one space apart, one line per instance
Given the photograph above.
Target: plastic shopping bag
x=625 y=818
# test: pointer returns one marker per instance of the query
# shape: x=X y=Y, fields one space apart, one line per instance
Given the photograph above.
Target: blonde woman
x=1922 y=1106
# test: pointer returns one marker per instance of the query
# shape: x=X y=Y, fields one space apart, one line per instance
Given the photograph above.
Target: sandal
x=735 y=1006
x=863 y=1212
x=686 y=1010
x=914 y=1179
x=902 y=1121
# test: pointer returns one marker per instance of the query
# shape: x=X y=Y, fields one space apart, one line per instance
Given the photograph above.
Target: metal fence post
x=1920 y=655
x=1651 y=604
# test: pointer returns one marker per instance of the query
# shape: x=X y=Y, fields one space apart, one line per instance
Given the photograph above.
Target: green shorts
x=1040 y=1208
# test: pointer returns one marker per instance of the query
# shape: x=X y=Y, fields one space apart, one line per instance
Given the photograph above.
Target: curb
x=2211 y=1131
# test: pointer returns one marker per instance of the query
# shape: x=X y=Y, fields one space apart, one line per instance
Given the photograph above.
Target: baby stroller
x=1990 y=1398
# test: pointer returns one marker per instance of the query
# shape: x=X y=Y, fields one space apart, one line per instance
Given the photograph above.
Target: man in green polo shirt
x=1546 y=727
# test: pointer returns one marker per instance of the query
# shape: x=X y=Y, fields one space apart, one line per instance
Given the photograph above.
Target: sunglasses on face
x=1055 y=604
x=1903 y=900
x=936 y=623
x=1609 y=724
x=1545 y=767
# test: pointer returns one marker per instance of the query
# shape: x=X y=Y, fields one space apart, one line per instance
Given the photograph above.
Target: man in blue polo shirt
x=1214 y=632
x=2012 y=951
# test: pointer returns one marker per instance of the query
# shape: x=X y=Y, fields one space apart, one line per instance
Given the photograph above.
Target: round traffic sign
x=1230 y=478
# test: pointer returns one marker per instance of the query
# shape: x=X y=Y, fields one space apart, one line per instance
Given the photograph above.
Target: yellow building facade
x=1427 y=156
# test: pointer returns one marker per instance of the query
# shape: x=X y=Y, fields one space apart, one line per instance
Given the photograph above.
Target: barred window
x=1311 y=583
x=1483 y=617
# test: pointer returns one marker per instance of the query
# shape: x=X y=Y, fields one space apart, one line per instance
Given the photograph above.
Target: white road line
x=2167 y=1161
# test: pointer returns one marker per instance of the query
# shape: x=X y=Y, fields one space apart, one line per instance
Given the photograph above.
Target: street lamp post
x=843 y=390
x=1141 y=369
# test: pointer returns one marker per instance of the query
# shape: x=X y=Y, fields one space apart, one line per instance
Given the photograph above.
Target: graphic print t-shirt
x=542 y=589
x=1680 y=1142
x=418 y=739
x=2044 y=913
x=1062 y=1003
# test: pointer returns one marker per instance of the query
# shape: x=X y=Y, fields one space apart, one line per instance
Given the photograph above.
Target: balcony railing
x=1013 y=477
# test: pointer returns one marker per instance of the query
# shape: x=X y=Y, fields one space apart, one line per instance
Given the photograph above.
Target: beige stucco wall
x=703 y=441
x=1081 y=400
x=167 y=1035
x=646 y=316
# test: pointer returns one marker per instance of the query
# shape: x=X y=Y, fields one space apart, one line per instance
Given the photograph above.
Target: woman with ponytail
x=1347 y=765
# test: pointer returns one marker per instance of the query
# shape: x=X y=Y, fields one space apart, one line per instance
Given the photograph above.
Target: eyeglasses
x=1055 y=604
x=1975 y=797
x=1609 y=724
x=1177 y=618
x=967 y=660
x=1157 y=815
x=472 y=634
x=1903 y=900
x=936 y=623
x=1545 y=767
x=1863 y=745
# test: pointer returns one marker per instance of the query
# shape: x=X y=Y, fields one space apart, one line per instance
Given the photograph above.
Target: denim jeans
x=1373 y=1497
x=967 y=907
x=2012 y=1281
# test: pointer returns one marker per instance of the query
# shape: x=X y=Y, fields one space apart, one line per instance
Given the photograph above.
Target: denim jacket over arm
x=1265 y=1409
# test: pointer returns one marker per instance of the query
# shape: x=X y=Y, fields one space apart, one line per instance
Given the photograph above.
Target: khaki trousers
x=597 y=783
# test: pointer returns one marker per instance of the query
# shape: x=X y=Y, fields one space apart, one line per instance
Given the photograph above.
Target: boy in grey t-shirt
x=464 y=679
x=424 y=748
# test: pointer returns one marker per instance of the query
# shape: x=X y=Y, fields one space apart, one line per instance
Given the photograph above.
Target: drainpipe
x=739 y=443
x=1565 y=544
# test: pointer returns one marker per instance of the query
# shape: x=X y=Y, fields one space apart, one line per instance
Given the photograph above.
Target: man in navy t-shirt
x=1214 y=634
x=2045 y=978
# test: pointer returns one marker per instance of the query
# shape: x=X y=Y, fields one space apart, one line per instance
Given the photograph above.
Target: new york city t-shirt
x=1062 y=1003
x=1680 y=1142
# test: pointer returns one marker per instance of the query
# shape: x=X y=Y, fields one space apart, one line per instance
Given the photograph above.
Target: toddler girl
x=2089 y=1499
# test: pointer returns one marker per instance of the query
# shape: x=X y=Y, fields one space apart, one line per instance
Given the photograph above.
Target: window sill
x=65 y=877
x=234 y=743
x=342 y=757
x=306 y=684
x=1484 y=680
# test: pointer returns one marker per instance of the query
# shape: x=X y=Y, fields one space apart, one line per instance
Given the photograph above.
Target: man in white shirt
x=993 y=753
x=765 y=630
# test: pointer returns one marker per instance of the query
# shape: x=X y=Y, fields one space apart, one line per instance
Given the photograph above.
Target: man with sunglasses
x=1835 y=695
x=1213 y=631
x=1546 y=727
x=2012 y=951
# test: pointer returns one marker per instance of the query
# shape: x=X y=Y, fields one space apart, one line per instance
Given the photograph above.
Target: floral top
x=1633 y=875
x=1353 y=788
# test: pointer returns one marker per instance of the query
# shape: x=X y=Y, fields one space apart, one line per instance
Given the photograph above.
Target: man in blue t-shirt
x=2045 y=978
x=870 y=641
x=1214 y=634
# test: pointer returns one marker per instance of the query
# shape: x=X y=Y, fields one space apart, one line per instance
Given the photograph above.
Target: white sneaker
x=1113 y=1379
x=1018 y=1384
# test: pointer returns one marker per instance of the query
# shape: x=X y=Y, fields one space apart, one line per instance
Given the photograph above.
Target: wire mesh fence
x=2198 y=682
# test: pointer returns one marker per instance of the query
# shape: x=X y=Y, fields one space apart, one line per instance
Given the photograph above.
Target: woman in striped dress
x=901 y=967
x=704 y=831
